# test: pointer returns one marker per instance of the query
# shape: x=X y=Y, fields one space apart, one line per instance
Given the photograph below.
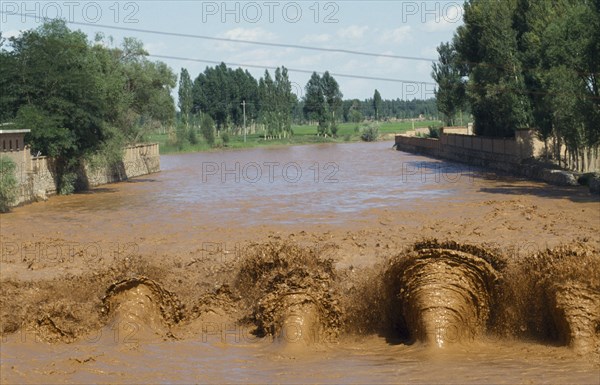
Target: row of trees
x=526 y=63
x=80 y=97
x=223 y=93
x=323 y=99
x=231 y=98
x=355 y=110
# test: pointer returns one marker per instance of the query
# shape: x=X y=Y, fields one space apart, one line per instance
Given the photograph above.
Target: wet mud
x=140 y=307
x=162 y=283
x=577 y=317
x=292 y=290
x=437 y=293
x=445 y=295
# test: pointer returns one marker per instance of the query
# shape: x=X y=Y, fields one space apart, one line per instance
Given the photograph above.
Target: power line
x=241 y=41
x=289 y=69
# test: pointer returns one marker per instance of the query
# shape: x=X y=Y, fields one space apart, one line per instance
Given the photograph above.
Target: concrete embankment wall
x=502 y=154
x=505 y=154
x=37 y=176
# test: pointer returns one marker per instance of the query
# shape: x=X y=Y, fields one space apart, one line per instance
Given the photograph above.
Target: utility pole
x=244 y=108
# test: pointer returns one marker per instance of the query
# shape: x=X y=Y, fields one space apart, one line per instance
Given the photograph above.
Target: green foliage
x=80 y=97
x=181 y=136
x=389 y=109
x=67 y=183
x=370 y=134
x=435 y=132
x=314 y=102
x=356 y=116
x=8 y=184
x=529 y=64
x=377 y=103
x=207 y=127
x=277 y=103
x=185 y=95
x=323 y=103
x=192 y=137
x=487 y=45
x=225 y=137
x=450 y=93
x=333 y=100
x=220 y=91
x=110 y=152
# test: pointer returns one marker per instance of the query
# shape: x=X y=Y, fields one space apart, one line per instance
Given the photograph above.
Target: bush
x=370 y=134
x=207 y=128
x=182 y=136
x=334 y=129
x=8 y=184
x=434 y=132
x=225 y=137
x=192 y=137
x=67 y=183
x=356 y=116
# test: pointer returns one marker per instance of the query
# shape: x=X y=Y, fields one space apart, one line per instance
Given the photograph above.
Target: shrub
x=207 y=127
x=8 y=184
x=67 y=183
x=370 y=134
x=434 y=132
x=182 y=136
x=225 y=137
x=192 y=137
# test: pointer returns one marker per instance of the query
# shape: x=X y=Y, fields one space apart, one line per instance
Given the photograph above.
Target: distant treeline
x=222 y=93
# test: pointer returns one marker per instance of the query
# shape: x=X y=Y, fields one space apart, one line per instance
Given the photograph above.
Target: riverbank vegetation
x=226 y=107
x=526 y=64
x=81 y=98
x=302 y=134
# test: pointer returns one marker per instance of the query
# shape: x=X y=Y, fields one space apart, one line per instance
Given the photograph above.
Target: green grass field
x=304 y=134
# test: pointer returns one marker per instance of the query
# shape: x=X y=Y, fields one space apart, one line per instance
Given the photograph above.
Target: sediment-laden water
x=373 y=279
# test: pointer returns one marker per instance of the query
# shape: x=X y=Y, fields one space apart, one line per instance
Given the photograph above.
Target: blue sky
x=400 y=28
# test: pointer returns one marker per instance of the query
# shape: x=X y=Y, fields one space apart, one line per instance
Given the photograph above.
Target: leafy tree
x=78 y=97
x=487 y=45
x=356 y=116
x=185 y=95
x=333 y=98
x=207 y=127
x=314 y=103
x=220 y=91
x=277 y=103
x=9 y=97
x=450 y=93
x=377 y=104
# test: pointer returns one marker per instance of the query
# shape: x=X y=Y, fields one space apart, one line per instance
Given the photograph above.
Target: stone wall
x=505 y=154
x=138 y=160
x=37 y=175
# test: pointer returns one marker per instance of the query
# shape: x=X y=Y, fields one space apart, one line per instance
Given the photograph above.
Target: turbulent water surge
x=388 y=275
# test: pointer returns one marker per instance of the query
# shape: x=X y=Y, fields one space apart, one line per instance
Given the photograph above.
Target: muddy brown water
x=136 y=282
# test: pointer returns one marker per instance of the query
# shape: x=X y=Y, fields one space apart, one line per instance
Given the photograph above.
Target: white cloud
x=249 y=34
x=353 y=32
x=398 y=35
x=316 y=38
x=252 y=34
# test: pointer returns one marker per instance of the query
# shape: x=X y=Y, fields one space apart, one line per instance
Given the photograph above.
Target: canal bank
x=37 y=176
x=517 y=156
